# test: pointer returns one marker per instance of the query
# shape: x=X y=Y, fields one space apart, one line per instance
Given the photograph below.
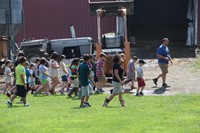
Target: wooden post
x=127 y=53
x=98 y=50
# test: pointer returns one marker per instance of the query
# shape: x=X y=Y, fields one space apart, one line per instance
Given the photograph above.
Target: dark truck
x=70 y=47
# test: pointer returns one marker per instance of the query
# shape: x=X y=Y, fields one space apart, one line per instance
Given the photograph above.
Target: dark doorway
x=155 y=19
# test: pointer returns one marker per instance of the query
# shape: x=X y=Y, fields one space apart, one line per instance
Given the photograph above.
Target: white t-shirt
x=62 y=65
x=53 y=71
x=7 y=72
x=30 y=79
x=140 y=73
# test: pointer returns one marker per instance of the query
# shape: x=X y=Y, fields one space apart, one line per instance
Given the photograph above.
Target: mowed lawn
x=59 y=114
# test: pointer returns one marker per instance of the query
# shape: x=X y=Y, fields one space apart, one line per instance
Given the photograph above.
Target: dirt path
x=183 y=78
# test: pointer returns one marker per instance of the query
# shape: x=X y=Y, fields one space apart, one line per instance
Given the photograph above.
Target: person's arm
x=64 y=69
x=54 y=65
x=9 y=74
x=117 y=76
x=45 y=73
x=170 y=59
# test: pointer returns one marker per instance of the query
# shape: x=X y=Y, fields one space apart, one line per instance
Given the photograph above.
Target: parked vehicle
x=70 y=47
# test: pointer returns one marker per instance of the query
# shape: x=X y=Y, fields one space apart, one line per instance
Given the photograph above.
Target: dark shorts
x=64 y=78
x=37 y=81
x=21 y=91
x=141 y=82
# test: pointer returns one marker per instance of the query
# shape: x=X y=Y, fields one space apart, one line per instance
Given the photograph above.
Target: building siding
x=52 y=19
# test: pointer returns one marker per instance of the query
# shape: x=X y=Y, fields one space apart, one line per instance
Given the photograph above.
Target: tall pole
x=98 y=45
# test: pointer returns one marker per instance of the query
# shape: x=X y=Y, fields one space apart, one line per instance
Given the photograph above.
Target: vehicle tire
x=32 y=55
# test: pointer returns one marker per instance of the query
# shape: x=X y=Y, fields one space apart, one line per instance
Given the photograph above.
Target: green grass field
x=59 y=114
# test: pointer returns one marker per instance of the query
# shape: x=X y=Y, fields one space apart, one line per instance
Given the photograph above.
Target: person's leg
x=24 y=100
x=13 y=88
x=55 y=82
x=112 y=96
x=142 y=88
x=122 y=102
x=107 y=100
x=86 y=99
x=13 y=97
x=164 y=78
x=39 y=89
x=120 y=96
x=82 y=100
x=159 y=76
x=6 y=88
x=138 y=90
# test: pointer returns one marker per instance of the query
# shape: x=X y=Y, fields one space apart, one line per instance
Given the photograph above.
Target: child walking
x=117 y=82
x=20 y=82
x=84 y=77
x=8 y=77
x=131 y=72
x=31 y=79
x=74 y=77
x=44 y=77
x=54 y=72
x=100 y=73
x=140 y=79
x=64 y=74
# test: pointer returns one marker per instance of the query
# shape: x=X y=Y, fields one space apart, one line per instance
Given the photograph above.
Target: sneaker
x=69 y=95
x=35 y=94
x=137 y=94
x=141 y=93
x=61 y=92
x=101 y=90
x=164 y=85
x=87 y=104
x=106 y=101
x=98 y=92
x=9 y=103
x=83 y=106
x=26 y=105
x=8 y=94
x=155 y=81
x=94 y=87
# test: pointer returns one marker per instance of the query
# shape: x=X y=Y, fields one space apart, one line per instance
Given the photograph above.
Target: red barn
x=151 y=21
x=52 y=19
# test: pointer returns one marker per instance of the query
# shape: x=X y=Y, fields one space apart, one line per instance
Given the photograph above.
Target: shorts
x=44 y=81
x=85 y=90
x=141 y=82
x=37 y=81
x=101 y=79
x=21 y=91
x=117 y=87
x=130 y=76
x=75 y=82
x=164 y=68
x=64 y=78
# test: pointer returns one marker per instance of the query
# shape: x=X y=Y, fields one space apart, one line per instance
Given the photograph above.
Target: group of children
x=84 y=75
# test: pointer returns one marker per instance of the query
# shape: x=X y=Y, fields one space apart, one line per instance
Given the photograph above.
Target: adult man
x=164 y=58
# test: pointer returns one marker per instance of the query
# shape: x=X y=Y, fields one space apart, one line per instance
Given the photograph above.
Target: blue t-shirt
x=164 y=51
x=43 y=69
x=28 y=74
x=83 y=74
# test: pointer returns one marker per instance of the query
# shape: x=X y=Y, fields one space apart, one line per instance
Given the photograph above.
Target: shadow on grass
x=161 y=90
x=112 y=107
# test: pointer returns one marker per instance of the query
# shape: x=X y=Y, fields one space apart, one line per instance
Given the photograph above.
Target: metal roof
x=52 y=19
